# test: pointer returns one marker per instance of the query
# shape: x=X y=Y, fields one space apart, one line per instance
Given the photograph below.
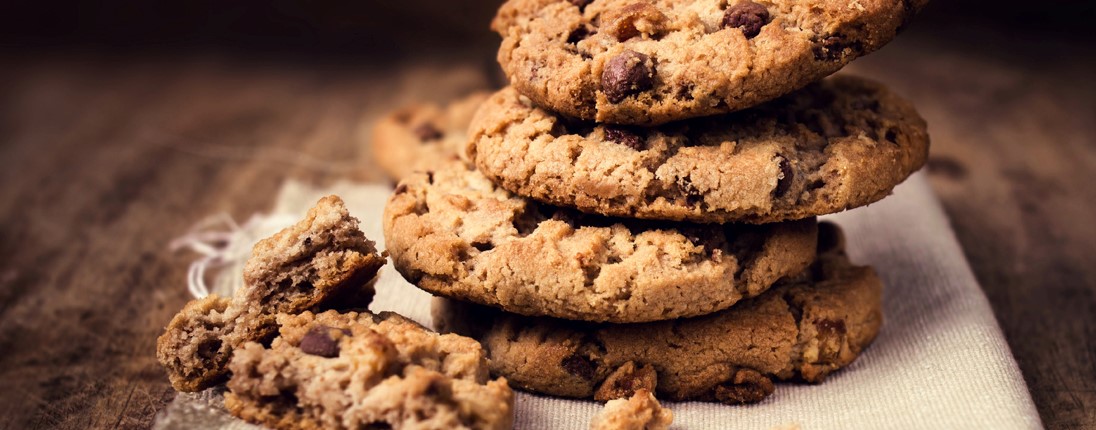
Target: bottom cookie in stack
x=804 y=328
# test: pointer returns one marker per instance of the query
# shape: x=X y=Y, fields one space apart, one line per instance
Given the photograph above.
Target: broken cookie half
x=322 y=262
x=360 y=370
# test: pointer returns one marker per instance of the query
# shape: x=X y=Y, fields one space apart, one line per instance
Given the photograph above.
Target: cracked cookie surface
x=840 y=143
x=804 y=328
x=649 y=62
x=423 y=136
x=360 y=370
x=323 y=261
x=454 y=233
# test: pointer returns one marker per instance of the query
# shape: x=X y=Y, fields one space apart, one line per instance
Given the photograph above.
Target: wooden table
x=105 y=157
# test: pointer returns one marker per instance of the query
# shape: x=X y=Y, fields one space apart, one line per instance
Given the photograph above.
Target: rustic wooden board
x=105 y=159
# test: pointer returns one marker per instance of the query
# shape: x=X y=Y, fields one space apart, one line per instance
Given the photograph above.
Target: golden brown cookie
x=649 y=62
x=359 y=370
x=454 y=233
x=841 y=143
x=423 y=136
x=803 y=328
x=323 y=261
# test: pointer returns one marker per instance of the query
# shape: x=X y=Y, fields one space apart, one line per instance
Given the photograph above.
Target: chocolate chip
x=746 y=16
x=627 y=74
x=831 y=338
x=626 y=137
x=427 y=132
x=579 y=34
x=786 y=177
x=579 y=366
x=828 y=327
x=318 y=341
x=401 y=188
x=634 y=20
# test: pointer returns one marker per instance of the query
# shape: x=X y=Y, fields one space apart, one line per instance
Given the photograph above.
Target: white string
x=224 y=246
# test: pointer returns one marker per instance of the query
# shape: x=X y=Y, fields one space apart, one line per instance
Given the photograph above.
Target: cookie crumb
x=640 y=412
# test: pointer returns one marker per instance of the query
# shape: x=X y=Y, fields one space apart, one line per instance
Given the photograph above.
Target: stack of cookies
x=636 y=212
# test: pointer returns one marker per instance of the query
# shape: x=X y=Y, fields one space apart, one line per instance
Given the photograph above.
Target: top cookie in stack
x=651 y=62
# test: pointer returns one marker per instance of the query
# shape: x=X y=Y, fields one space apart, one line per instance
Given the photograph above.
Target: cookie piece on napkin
x=323 y=261
x=649 y=62
x=360 y=370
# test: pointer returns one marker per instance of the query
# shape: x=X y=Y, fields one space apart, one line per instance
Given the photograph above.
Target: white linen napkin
x=940 y=360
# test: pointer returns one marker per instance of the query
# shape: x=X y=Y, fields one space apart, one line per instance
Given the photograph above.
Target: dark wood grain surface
x=105 y=156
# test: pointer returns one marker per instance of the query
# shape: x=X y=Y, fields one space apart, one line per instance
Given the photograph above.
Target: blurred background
x=363 y=31
x=387 y=30
x=391 y=28
x=124 y=122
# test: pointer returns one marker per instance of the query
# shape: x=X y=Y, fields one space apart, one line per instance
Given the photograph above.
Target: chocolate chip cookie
x=359 y=370
x=454 y=233
x=323 y=261
x=423 y=136
x=804 y=328
x=837 y=144
x=649 y=62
